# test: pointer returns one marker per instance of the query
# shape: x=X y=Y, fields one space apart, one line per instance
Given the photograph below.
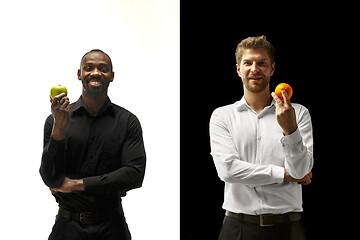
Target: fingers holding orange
x=288 y=89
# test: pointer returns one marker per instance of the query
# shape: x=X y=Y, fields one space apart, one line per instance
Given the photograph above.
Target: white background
x=42 y=42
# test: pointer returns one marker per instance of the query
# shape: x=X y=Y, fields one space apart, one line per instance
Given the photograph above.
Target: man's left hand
x=306 y=180
x=70 y=185
x=285 y=113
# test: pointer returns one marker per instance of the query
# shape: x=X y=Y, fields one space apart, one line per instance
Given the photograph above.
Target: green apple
x=56 y=90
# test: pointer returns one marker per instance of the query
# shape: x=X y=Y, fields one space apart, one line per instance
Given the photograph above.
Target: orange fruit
x=287 y=88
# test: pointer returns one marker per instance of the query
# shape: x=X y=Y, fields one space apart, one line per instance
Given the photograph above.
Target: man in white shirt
x=263 y=151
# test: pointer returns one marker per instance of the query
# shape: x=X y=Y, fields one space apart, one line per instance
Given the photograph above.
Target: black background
x=314 y=54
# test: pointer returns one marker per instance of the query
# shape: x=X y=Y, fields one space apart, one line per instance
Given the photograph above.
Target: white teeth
x=95 y=83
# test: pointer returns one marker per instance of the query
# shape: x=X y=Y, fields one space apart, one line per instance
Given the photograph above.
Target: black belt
x=89 y=217
x=265 y=220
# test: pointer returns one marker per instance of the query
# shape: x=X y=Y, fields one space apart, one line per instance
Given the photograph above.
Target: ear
x=112 y=76
x=238 y=69
x=272 y=68
x=79 y=74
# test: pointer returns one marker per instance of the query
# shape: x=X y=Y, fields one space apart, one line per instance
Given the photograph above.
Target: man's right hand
x=60 y=108
x=304 y=181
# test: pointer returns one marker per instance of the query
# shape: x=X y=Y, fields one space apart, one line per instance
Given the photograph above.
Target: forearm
x=238 y=171
x=298 y=156
x=119 y=181
x=58 y=133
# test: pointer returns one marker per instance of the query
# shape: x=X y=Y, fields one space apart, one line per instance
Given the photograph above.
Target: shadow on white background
x=42 y=43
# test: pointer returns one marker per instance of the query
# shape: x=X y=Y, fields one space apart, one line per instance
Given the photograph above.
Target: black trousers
x=114 y=229
x=233 y=229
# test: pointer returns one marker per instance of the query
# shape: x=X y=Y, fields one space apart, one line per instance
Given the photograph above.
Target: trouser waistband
x=265 y=220
x=90 y=217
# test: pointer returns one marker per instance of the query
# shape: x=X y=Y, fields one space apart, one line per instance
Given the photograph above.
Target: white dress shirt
x=250 y=152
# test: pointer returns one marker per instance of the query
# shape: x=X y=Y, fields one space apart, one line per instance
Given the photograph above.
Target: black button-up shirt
x=106 y=150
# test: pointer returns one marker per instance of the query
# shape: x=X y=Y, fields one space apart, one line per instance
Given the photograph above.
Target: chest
x=257 y=137
x=94 y=145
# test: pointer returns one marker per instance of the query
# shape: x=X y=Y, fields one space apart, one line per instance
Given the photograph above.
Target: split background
x=42 y=43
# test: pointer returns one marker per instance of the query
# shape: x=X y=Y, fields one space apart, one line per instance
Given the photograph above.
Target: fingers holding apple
x=60 y=108
x=59 y=100
x=58 y=97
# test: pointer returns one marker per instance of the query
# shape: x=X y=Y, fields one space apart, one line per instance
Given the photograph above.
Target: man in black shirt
x=93 y=154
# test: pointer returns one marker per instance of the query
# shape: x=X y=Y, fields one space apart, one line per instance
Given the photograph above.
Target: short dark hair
x=96 y=50
x=254 y=43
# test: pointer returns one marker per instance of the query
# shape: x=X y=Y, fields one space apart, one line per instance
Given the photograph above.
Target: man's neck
x=258 y=101
x=93 y=105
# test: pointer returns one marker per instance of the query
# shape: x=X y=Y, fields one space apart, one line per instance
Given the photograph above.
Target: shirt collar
x=79 y=104
x=242 y=105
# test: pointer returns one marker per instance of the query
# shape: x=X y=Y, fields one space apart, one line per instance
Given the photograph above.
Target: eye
x=87 y=68
x=247 y=63
x=262 y=63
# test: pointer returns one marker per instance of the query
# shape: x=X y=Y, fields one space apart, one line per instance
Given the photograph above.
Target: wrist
x=288 y=132
x=58 y=133
x=286 y=175
x=78 y=185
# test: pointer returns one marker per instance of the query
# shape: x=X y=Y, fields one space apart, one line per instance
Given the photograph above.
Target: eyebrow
x=92 y=63
x=264 y=59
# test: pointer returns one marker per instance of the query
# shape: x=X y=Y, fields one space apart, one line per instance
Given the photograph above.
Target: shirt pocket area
x=109 y=159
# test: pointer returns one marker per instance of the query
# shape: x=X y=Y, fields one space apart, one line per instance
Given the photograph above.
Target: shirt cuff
x=277 y=174
x=291 y=139
x=91 y=183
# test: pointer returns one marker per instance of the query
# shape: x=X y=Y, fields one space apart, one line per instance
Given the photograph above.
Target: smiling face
x=95 y=74
x=255 y=69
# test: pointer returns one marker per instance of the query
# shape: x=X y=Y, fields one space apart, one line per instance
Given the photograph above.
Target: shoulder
x=119 y=110
x=301 y=112
x=124 y=115
x=224 y=115
x=299 y=109
x=225 y=110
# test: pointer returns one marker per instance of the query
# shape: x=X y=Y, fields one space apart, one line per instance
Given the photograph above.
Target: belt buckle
x=262 y=222
x=85 y=218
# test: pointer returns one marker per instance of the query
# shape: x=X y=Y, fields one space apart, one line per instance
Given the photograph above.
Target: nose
x=95 y=73
x=254 y=67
